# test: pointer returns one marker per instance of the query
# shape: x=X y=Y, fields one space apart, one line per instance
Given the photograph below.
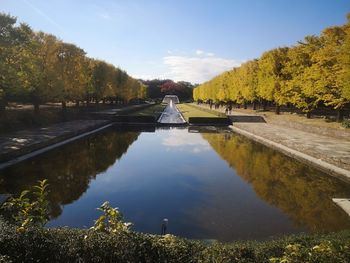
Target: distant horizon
x=180 y=41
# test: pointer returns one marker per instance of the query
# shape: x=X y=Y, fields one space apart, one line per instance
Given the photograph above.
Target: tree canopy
x=159 y=88
x=36 y=67
x=313 y=72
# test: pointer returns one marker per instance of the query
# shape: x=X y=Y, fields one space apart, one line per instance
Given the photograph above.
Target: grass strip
x=189 y=111
x=154 y=110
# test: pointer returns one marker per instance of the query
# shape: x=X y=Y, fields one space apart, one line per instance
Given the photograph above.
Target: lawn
x=154 y=110
x=193 y=111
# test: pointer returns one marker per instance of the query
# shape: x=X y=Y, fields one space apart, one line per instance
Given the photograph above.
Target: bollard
x=164 y=226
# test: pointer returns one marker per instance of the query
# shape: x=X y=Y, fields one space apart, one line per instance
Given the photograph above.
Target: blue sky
x=191 y=40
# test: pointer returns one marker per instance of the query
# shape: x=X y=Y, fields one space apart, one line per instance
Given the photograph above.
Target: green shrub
x=111 y=221
x=85 y=245
x=30 y=208
x=221 y=121
x=346 y=123
x=79 y=245
x=5 y=259
x=134 y=119
x=324 y=252
x=111 y=240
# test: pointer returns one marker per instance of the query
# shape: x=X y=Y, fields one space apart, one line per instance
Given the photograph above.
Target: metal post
x=164 y=226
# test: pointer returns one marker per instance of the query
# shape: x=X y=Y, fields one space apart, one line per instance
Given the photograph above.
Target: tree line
x=158 y=88
x=36 y=67
x=314 y=72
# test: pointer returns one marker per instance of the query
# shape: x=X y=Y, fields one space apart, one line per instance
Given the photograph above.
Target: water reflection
x=178 y=138
x=69 y=169
x=303 y=193
x=210 y=184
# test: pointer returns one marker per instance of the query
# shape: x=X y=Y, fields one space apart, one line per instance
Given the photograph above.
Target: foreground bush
x=73 y=245
x=78 y=245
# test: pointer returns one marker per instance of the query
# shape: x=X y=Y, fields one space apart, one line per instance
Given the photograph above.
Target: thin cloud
x=186 y=141
x=203 y=53
x=197 y=69
x=42 y=14
x=105 y=16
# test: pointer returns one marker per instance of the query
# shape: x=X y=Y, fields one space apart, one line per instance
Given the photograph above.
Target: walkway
x=321 y=149
x=171 y=115
x=25 y=141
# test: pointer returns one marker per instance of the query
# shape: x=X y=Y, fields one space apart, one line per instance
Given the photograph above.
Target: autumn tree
x=36 y=67
x=314 y=72
x=70 y=65
x=300 y=87
x=326 y=69
x=272 y=77
x=345 y=60
x=13 y=39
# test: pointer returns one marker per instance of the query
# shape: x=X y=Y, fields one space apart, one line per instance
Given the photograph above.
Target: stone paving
x=21 y=142
x=329 y=149
x=26 y=141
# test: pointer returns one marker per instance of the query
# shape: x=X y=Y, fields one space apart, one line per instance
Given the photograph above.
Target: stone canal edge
x=38 y=145
x=57 y=140
x=300 y=156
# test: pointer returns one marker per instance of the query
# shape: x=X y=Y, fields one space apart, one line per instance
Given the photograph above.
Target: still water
x=210 y=184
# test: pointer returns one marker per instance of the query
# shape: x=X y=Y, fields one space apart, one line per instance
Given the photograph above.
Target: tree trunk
x=340 y=115
x=2 y=105
x=245 y=105
x=264 y=105
x=103 y=101
x=36 y=108
x=308 y=114
x=64 y=106
x=254 y=105
x=77 y=103
x=278 y=109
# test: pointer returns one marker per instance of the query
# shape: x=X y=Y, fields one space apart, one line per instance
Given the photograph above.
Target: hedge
x=134 y=119
x=82 y=245
x=216 y=121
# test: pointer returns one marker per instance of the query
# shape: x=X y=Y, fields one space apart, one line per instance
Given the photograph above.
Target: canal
x=209 y=183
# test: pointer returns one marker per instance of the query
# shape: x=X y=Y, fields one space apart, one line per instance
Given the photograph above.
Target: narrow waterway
x=171 y=115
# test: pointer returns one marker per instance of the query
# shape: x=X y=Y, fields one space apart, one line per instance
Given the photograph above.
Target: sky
x=190 y=40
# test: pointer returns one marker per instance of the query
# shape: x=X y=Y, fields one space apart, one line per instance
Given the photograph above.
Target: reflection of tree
x=303 y=193
x=69 y=169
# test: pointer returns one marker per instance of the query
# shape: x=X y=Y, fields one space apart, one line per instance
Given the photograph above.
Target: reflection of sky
x=184 y=141
x=163 y=175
